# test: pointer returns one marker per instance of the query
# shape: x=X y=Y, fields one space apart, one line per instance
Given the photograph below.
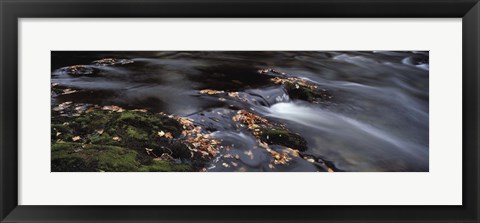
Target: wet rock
x=269 y=95
x=298 y=88
x=296 y=91
x=175 y=150
x=116 y=129
x=112 y=61
x=79 y=70
x=322 y=164
x=92 y=69
x=219 y=119
x=67 y=157
x=283 y=137
x=231 y=77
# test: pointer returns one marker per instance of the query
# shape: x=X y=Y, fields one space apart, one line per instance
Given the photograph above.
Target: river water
x=376 y=120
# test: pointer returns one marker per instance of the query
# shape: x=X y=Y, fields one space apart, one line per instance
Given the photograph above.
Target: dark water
x=377 y=119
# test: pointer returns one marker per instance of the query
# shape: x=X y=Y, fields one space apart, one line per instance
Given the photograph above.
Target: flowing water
x=376 y=120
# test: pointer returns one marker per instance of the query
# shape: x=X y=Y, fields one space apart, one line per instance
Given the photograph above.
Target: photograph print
x=239 y=111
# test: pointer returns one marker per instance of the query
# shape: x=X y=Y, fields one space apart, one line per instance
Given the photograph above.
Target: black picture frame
x=11 y=11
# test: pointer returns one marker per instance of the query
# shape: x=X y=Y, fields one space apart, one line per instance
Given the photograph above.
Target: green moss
x=284 y=138
x=97 y=119
x=130 y=117
x=116 y=141
x=60 y=128
x=117 y=159
x=150 y=122
x=136 y=133
x=70 y=164
x=300 y=93
x=60 y=132
x=136 y=119
x=76 y=157
x=62 y=146
x=80 y=157
x=87 y=123
x=103 y=138
x=164 y=166
x=305 y=93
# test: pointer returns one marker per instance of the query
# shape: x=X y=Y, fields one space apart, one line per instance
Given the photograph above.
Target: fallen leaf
x=113 y=108
x=293 y=152
x=264 y=71
x=76 y=138
x=210 y=92
x=165 y=156
x=168 y=135
x=69 y=91
x=161 y=133
x=249 y=153
x=150 y=152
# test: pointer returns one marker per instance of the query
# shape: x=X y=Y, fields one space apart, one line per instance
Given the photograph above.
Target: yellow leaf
x=161 y=133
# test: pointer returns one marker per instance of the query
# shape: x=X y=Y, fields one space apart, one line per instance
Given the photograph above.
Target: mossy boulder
x=164 y=166
x=130 y=137
x=306 y=93
x=77 y=157
x=284 y=138
x=86 y=157
x=134 y=130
